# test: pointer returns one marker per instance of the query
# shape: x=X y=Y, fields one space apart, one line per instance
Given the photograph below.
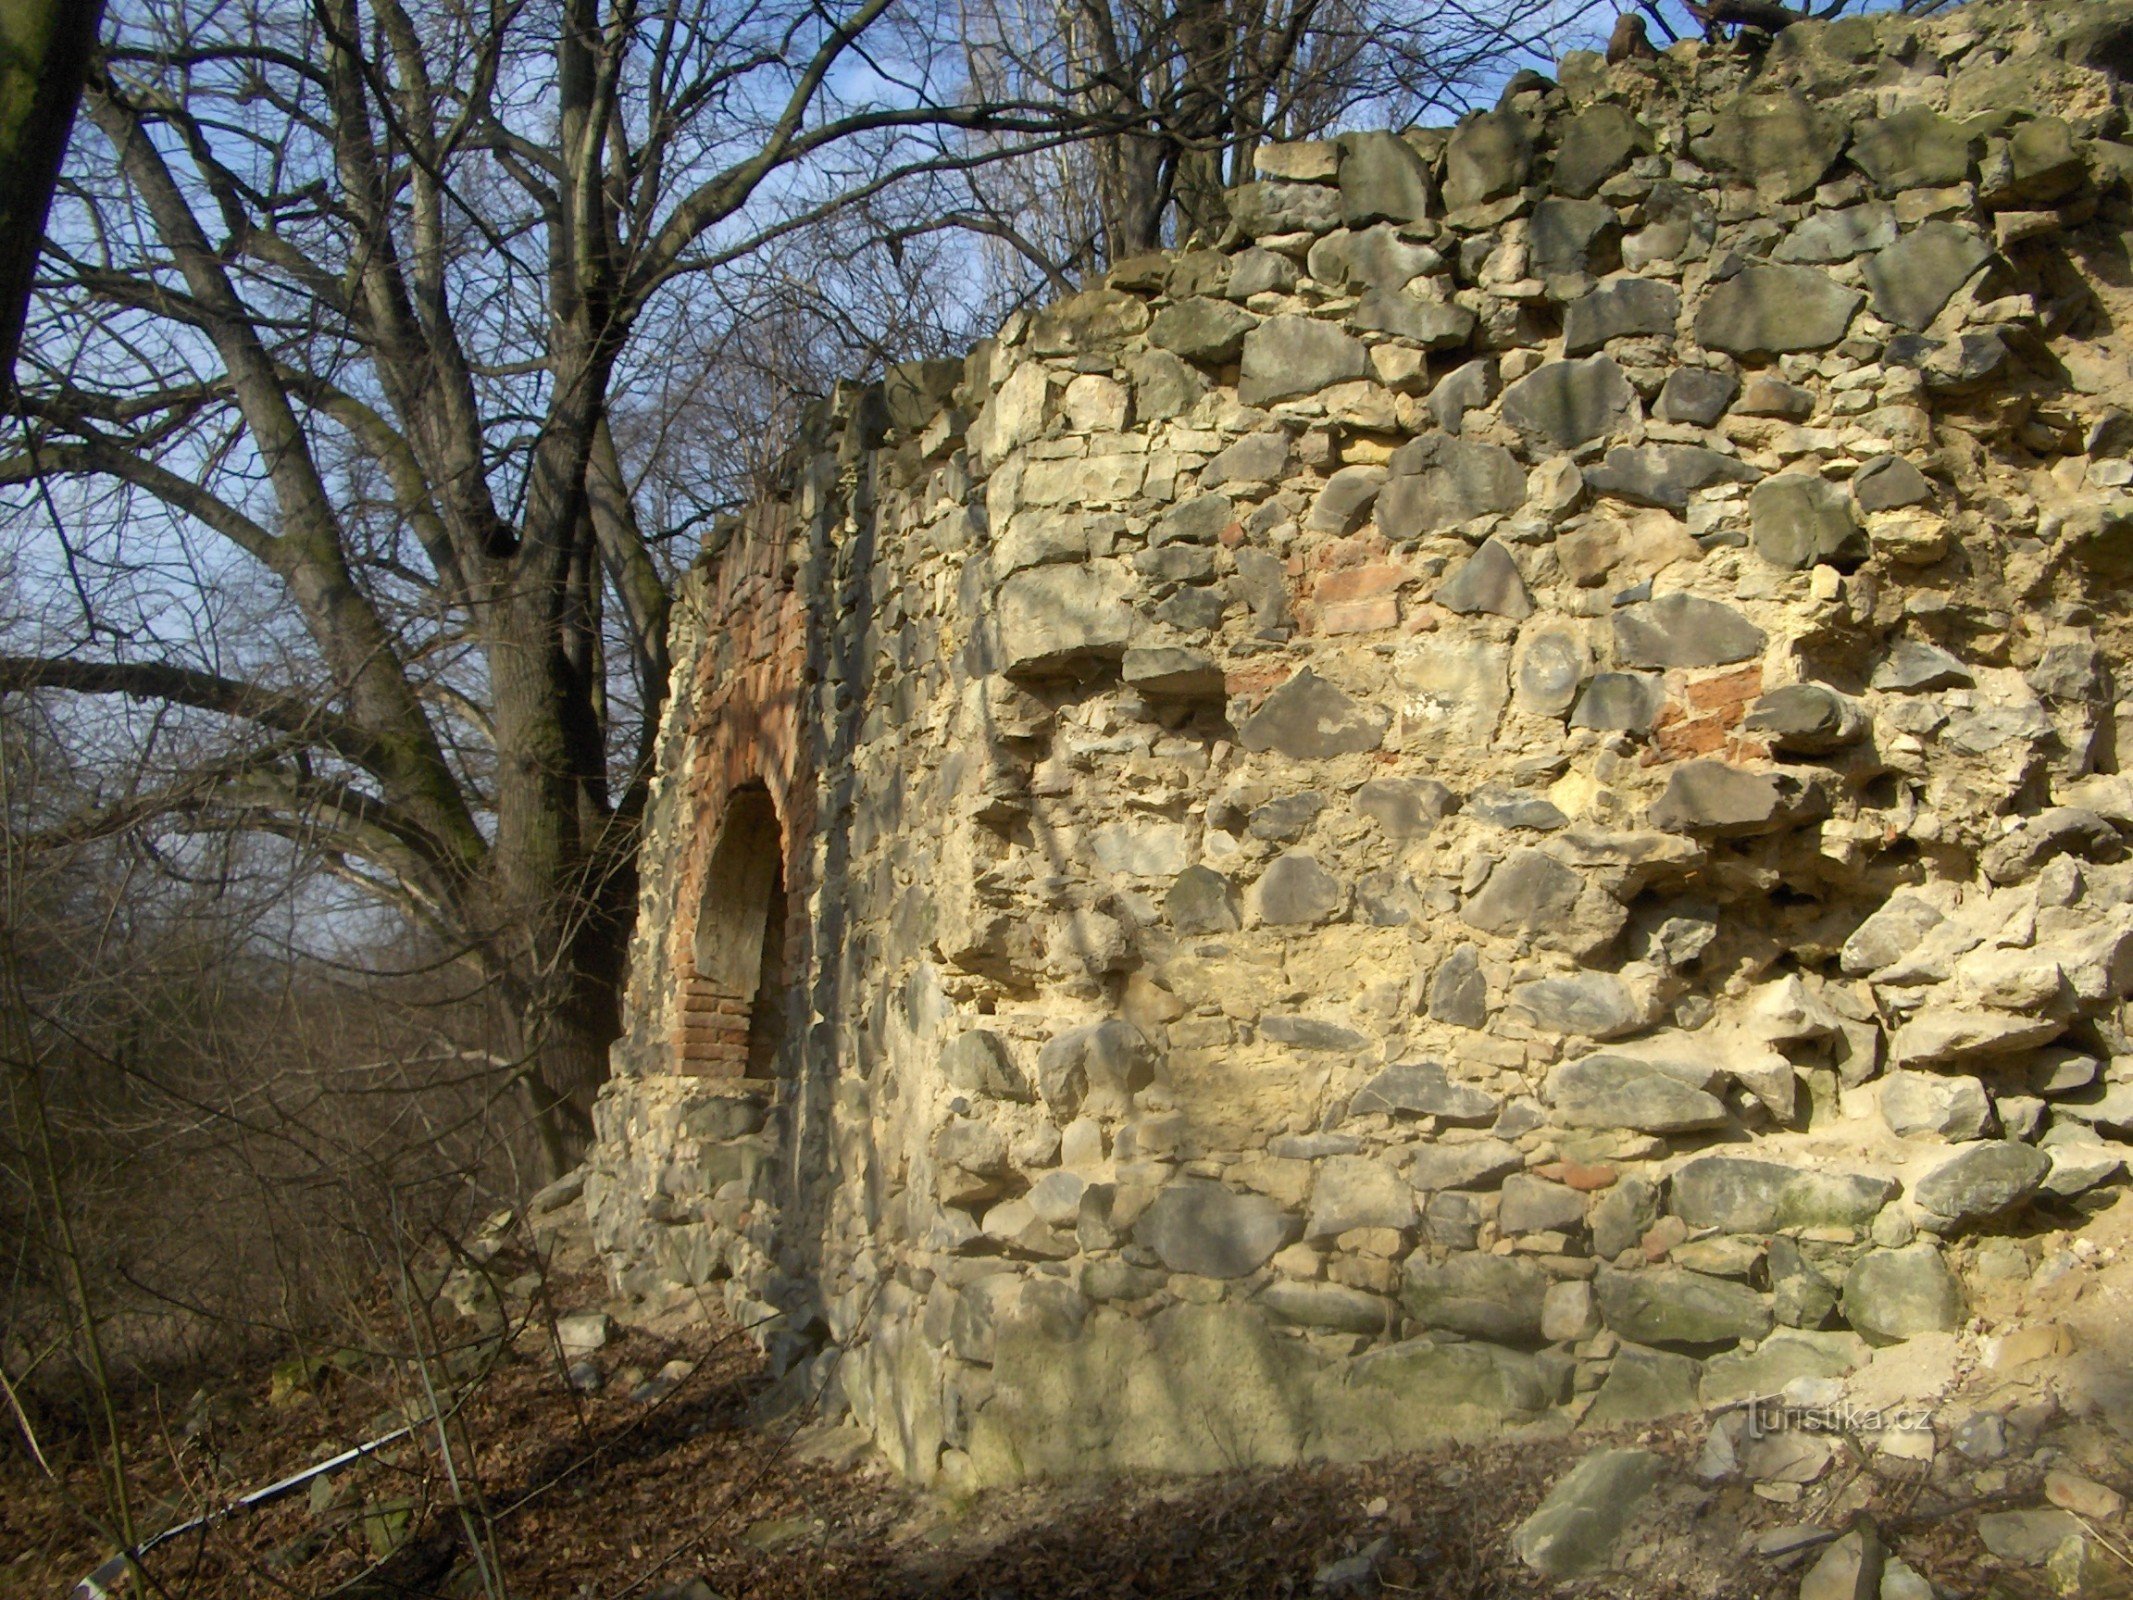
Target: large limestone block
x=1310 y=719
x=1454 y=692
x=1382 y=179
x=1053 y=619
x=1439 y=482
x=1578 y=1529
x=1670 y=1306
x=1614 y=1091
x=1192 y=1389
x=1781 y=143
x=1762 y=311
x=1482 y=1296
x=1406 y=1396
x=1569 y=403
x=1915 y=277
x=1915 y=148
x=1285 y=357
x=1214 y=1232
x=1892 y=1295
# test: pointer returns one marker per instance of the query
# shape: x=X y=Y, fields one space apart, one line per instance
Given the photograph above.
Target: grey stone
x=1458 y=991
x=1696 y=395
x=1526 y=892
x=1626 y=701
x=1552 y=664
x=1289 y=356
x=1612 y=1091
x=2046 y=161
x=1625 y=309
x=1798 y=521
x=1296 y=891
x=1891 y=1295
x=1406 y=808
x=1330 y=1306
x=1345 y=502
x=1933 y=1105
x=1886 y=936
x=1912 y=667
x=1286 y=819
x=1534 y=1205
x=1593 y=146
x=1358 y=1192
x=1487 y=156
x=1309 y=1033
x=1597 y=1005
x=1309 y=719
x=1097 y=1068
x=1577 y=1529
x=1622 y=1216
x=1421 y=1088
x=1209 y=333
x=1382 y=179
x=1372 y=258
x=1850 y=1569
x=1263 y=209
x=1710 y=796
x=1120 y=1280
x=1501 y=806
x=915 y=392
x=1213 y=1232
x=1838 y=235
x=1788 y=1353
x=1808 y=719
x=1960 y=365
x=1983 y=1180
x=1668 y=1306
x=1095 y=319
x=1477 y=1164
x=2062 y=831
x=1433 y=324
x=1171 y=672
x=1763 y=311
x=1664 y=474
x=2028 y=1538
x=1452 y=1220
x=1256 y=458
x=1465 y=388
x=2078 y=1168
x=1439 y=482
x=1915 y=277
x=1163 y=385
x=1915 y=148
x=1573 y=238
x=1199 y=520
x=1570 y=403
x=1202 y=901
x=1780 y=143
x=1481 y=1296
x=1681 y=630
x=1052 y=619
x=977 y=1062
x=1486 y=582
x=1257 y=271
x=1737 y=1194
x=1644 y=1386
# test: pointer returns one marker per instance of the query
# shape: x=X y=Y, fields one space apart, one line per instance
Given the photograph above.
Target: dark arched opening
x=736 y=1000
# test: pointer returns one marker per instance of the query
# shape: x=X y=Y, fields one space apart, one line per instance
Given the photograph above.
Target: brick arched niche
x=733 y=999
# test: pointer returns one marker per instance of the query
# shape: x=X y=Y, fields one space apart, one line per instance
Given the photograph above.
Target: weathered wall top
x=1494 y=799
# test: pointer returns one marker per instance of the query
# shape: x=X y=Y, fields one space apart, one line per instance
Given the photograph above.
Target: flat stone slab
x=1577 y=1530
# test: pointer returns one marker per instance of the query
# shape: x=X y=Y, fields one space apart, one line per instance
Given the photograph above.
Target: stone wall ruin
x=1493 y=801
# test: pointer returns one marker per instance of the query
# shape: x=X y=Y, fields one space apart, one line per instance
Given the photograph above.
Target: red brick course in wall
x=745 y=728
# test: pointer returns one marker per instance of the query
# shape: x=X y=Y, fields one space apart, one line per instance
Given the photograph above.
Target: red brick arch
x=750 y=797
